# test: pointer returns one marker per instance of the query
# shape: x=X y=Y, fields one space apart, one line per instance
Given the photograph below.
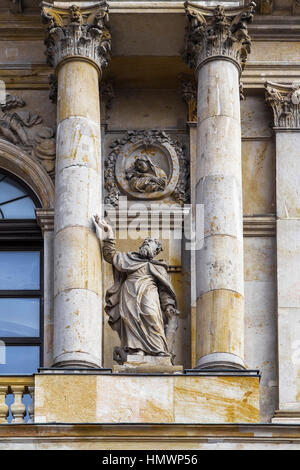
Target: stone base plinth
x=95 y=397
x=137 y=364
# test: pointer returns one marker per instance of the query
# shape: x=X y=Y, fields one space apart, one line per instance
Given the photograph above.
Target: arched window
x=21 y=279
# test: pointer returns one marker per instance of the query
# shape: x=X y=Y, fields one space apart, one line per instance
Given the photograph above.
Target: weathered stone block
x=111 y=398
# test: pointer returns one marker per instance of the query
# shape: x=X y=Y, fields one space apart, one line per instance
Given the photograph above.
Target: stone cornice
x=35 y=76
x=77 y=32
x=105 y=435
x=259 y=226
x=217 y=32
x=23 y=27
x=45 y=219
x=285 y=102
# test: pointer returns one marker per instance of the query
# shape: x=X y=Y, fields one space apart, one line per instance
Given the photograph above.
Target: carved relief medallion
x=146 y=165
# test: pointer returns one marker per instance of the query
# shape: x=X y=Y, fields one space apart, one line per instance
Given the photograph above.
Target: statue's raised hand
x=103 y=229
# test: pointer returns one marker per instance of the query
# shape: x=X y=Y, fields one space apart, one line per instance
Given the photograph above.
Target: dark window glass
x=19 y=359
x=19 y=270
x=21 y=279
x=19 y=317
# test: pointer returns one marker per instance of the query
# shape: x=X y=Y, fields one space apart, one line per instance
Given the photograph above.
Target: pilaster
x=285 y=103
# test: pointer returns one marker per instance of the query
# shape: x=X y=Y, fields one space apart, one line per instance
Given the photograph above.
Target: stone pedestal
x=103 y=397
x=78 y=45
x=217 y=46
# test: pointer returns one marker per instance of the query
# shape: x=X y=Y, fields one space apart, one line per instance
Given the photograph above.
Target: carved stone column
x=78 y=46
x=217 y=45
x=285 y=102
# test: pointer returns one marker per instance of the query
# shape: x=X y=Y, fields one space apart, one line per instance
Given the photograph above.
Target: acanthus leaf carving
x=217 y=32
x=285 y=103
x=75 y=31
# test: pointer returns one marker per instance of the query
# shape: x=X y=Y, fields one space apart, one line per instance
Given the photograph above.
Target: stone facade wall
x=145 y=74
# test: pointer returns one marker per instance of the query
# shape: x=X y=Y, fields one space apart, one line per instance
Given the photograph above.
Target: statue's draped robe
x=153 y=180
x=137 y=300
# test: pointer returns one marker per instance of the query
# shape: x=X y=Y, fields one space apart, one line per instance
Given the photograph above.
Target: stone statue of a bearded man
x=141 y=304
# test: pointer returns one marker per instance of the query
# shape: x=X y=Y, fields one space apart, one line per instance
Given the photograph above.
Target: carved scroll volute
x=285 y=103
x=217 y=32
x=74 y=31
x=122 y=177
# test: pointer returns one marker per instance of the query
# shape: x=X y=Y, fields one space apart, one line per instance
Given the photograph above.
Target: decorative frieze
x=285 y=102
x=74 y=31
x=217 y=32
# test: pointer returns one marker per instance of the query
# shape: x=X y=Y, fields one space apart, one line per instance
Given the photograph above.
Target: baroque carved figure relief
x=142 y=304
x=145 y=177
x=146 y=165
x=25 y=130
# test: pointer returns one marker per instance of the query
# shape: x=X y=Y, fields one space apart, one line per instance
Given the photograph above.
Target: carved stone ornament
x=213 y=32
x=24 y=129
x=266 y=7
x=285 y=102
x=189 y=94
x=107 y=95
x=53 y=88
x=74 y=31
x=146 y=165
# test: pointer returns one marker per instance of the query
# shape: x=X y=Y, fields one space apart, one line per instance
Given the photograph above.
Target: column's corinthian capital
x=73 y=31
x=285 y=102
x=217 y=32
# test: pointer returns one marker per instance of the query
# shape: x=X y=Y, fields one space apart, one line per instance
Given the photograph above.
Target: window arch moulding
x=30 y=171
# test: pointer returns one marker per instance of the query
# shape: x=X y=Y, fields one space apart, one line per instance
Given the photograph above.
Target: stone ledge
x=286 y=417
x=149 y=436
